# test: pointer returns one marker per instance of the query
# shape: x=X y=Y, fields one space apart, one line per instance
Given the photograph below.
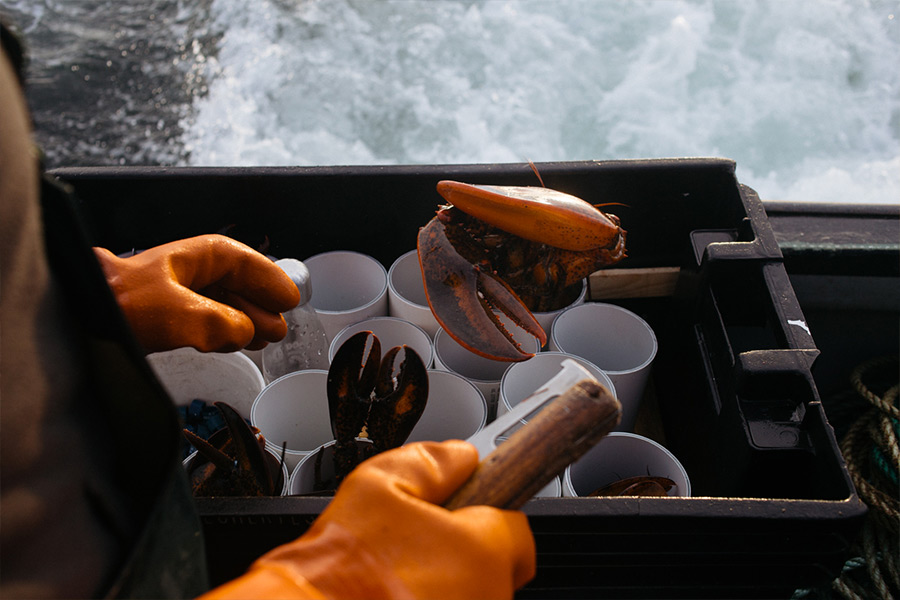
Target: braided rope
x=872 y=452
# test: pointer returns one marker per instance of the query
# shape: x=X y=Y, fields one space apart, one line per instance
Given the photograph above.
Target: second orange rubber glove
x=209 y=292
x=385 y=535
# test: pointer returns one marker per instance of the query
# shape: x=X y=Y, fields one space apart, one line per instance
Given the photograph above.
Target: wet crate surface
x=733 y=398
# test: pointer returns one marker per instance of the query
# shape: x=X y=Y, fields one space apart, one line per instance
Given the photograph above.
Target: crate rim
x=716 y=163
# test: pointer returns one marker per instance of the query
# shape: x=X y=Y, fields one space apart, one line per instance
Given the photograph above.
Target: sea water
x=803 y=94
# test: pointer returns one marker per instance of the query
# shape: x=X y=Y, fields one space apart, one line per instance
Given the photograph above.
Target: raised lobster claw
x=463 y=294
x=513 y=250
x=363 y=392
x=236 y=462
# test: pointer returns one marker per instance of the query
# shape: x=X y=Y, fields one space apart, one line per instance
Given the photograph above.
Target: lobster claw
x=463 y=296
x=350 y=383
x=509 y=248
x=362 y=393
x=236 y=468
x=396 y=408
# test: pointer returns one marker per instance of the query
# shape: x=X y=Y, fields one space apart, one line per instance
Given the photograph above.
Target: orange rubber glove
x=385 y=535
x=209 y=292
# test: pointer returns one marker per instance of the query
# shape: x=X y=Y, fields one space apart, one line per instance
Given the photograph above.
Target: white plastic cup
x=620 y=455
x=188 y=374
x=522 y=379
x=616 y=340
x=545 y=319
x=390 y=332
x=551 y=490
x=456 y=409
x=303 y=475
x=285 y=474
x=406 y=293
x=485 y=373
x=347 y=287
x=293 y=409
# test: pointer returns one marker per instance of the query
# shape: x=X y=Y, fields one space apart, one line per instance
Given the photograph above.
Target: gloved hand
x=385 y=535
x=210 y=292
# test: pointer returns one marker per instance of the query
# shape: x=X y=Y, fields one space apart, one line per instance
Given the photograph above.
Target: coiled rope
x=872 y=452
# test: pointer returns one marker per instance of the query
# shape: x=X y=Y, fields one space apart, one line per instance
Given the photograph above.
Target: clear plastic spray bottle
x=305 y=346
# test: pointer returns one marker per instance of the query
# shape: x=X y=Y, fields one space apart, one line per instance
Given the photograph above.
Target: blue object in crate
x=201 y=418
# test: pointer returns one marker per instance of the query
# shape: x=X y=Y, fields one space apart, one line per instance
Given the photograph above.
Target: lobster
x=512 y=249
x=234 y=461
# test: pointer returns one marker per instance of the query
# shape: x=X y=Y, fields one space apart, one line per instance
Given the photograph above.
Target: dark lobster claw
x=397 y=407
x=350 y=384
x=463 y=297
x=363 y=392
x=236 y=467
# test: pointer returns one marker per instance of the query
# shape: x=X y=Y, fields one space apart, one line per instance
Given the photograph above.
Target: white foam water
x=803 y=94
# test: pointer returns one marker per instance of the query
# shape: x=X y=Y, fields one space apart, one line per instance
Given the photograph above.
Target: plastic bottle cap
x=299 y=274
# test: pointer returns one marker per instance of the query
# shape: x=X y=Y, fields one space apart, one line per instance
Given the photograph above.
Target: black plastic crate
x=732 y=393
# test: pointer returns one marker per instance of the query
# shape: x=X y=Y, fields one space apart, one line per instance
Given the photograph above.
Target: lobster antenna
x=535 y=169
x=541 y=179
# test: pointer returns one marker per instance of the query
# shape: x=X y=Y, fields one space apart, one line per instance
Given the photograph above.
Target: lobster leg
x=463 y=298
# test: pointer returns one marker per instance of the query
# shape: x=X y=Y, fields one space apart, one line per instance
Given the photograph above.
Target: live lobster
x=512 y=249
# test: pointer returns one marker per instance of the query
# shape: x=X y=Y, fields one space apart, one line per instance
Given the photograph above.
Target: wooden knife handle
x=533 y=455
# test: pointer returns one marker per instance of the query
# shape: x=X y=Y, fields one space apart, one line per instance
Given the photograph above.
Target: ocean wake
x=803 y=95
